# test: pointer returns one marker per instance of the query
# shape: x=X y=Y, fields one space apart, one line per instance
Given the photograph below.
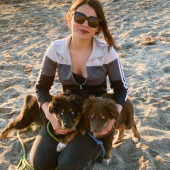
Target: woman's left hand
x=106 y=129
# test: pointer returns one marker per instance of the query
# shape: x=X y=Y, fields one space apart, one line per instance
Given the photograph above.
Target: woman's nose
x=85 y=23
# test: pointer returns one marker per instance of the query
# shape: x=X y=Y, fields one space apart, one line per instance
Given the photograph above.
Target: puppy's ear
x=78 y=100
x=67 y=93
x=50 y=108
x=55 y=103
x=87 y=105
x=110 y=106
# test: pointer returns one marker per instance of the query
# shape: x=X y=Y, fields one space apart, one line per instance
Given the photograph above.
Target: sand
x=142 y=32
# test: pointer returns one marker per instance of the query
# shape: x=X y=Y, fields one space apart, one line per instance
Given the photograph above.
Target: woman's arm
x=43 y=86
x=116 y=77
x=119 y=107
x=45 y=80
x=118 y=84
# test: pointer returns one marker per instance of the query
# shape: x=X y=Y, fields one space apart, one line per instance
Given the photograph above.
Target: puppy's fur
x=99 y=112
x=66 y=108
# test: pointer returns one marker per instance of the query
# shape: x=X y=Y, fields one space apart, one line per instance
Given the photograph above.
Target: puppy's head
x=99 y=112
x=67 y=109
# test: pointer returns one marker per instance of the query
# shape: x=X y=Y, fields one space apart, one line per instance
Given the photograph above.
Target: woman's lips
x=83 y=31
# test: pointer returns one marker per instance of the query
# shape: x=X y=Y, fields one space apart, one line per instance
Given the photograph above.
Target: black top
x=79 y=79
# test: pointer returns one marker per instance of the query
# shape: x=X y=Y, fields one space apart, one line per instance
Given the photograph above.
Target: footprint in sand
x=15 y=152
x=166 y=69
x=9 y=93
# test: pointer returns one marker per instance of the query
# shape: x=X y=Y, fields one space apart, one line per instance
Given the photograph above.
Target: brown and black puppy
x=98 y=114
x=66 y=108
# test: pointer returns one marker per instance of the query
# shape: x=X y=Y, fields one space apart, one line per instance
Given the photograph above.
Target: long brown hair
x=96 y=5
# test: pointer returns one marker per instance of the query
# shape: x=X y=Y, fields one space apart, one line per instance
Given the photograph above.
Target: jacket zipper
x=81 y=85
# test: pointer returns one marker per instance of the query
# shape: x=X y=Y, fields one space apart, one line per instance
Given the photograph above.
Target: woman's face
x=83 y=31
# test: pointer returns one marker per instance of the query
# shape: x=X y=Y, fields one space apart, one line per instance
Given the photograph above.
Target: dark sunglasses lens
x=93 y=22
x=79 y=18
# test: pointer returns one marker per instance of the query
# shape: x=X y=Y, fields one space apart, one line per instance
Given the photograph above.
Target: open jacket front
x=101 y=63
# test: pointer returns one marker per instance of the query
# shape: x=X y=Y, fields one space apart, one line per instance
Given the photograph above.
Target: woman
x=83 y=63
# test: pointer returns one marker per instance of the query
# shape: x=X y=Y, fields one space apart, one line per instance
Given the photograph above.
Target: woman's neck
x=77 y=44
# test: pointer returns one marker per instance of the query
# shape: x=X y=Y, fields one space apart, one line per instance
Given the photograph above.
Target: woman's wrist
x=48 y=116
x=44 y=107
x=119 y=107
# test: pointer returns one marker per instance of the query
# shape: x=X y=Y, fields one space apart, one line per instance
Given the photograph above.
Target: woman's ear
x=98 y=30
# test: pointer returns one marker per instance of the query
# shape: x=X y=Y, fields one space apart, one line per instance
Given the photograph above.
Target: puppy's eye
x=72 y=112
x=62 y=113
x=102 y=117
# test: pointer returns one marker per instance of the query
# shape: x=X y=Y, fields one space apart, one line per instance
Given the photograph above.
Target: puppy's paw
x=3 y=137
x=82 y=132
x=135 y=140
x=117 y=140
x=61 y=147
x=106 y=161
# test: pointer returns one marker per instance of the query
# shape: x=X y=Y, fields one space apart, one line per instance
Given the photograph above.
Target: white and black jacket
x=101 y=63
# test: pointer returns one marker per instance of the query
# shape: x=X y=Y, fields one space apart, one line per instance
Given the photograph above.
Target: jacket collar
x=63 y=49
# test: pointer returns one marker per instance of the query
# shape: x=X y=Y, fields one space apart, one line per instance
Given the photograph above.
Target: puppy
x=66 y=108
x=98 y=114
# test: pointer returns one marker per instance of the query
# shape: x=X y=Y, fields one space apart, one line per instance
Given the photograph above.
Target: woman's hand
x=53 y=120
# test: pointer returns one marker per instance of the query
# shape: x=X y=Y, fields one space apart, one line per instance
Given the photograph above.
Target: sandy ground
x=26 y=30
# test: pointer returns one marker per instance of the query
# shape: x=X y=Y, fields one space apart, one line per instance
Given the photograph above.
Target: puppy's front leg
x=66 y=140
x=108 y=147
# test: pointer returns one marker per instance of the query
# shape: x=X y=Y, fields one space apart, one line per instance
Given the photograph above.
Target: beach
x=142 y=32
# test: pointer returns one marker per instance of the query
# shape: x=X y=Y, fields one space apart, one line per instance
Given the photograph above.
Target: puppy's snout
x=95 y=129
x=66 y=125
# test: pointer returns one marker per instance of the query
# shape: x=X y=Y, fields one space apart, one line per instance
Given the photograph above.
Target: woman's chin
x=83 y=36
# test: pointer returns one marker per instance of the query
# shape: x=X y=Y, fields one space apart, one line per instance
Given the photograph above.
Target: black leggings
x=78 y=153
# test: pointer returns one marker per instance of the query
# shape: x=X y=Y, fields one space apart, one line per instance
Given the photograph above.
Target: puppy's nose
x=95 y=130
x=65 y=125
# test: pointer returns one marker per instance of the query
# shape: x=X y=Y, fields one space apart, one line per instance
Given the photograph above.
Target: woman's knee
x=40 y=162
x=78 y=153
x=37 y=164
x=66 y=165
x=43 y=154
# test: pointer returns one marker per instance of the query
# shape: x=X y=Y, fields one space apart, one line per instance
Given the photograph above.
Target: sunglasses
x=92 y=21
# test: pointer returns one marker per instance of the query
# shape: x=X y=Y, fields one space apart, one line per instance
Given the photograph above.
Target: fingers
x=104 y=132
x=63 y=131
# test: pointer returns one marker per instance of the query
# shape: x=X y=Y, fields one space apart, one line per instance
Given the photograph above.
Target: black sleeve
x=45 y=80
x=120 y=92
x=117 y=80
